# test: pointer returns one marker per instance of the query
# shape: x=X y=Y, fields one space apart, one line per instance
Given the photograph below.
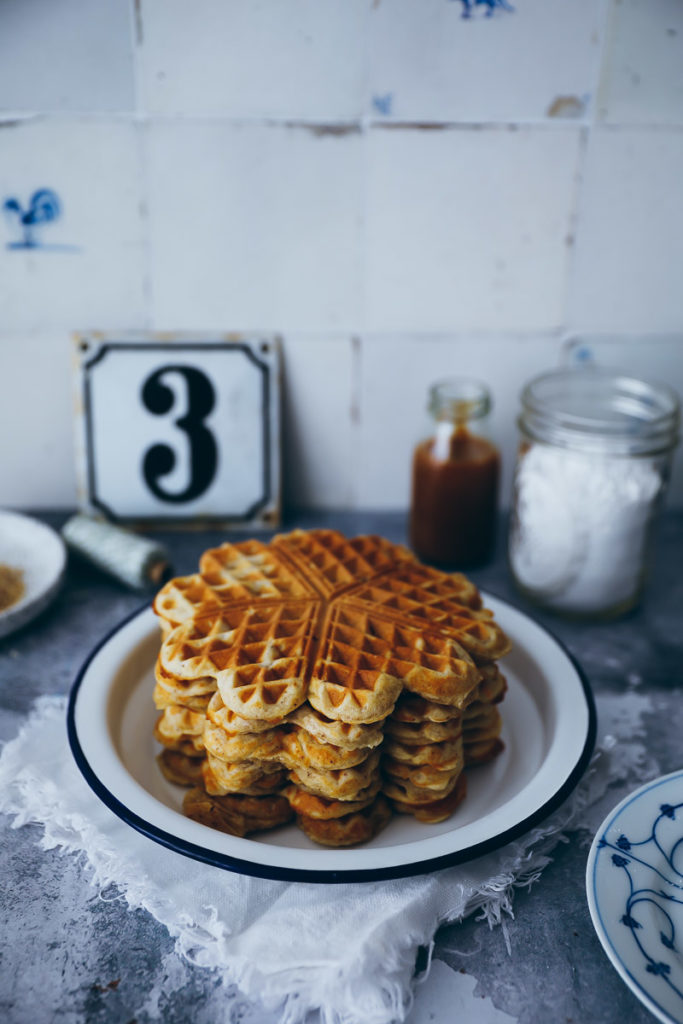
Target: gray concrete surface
x=69 y=955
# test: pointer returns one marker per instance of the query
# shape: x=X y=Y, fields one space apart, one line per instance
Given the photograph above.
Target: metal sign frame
x=92 y=349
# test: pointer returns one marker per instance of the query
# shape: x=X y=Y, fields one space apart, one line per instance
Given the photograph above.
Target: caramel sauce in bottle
x=454 y=491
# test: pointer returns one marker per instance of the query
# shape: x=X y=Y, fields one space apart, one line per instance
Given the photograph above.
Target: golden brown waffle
x=429 y=600
x=483 y=752
x=423 y=761
x=434 y=811
x=300 y=749
x=365 y=661
x=417 y=733
x=297 y=565
x=247 y=776
x=350 y=830
x=179 y=728
x=348 y=735
x=288 y=746
x=407 y=792
x=481 y=722
x=224 y=718
x=330 y=562
x=188 y=693
x=253 y=619
x=296 y=653
x=313 y=806
x=493 y=685
x=423 y=776
x=445 y=756
x=239 y=747
x=345 y=784
x=256 y=656
x=413 y=709
x=481 y=734
x=237 y=815
x=467 y=593
x=180 y=769
x=229 y=575
x=267 y=785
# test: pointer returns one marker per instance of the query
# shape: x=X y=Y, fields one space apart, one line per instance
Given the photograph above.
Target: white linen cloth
x=347 y=950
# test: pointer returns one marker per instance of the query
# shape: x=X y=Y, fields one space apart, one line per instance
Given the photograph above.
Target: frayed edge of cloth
x=385 y=990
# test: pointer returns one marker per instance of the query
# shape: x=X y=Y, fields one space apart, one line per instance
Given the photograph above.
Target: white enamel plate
x=634 y=881
x=549 y=731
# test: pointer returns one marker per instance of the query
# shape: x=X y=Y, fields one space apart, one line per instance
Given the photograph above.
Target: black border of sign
x=245 y=867
x=161 y=346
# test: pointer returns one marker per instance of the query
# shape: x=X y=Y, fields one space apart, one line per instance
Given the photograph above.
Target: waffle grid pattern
x=353 y=638
x=376 y=620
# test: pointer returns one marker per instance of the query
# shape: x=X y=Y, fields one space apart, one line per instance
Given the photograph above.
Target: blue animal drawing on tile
x=491 y=6
x=383 y=104
x=42 y=208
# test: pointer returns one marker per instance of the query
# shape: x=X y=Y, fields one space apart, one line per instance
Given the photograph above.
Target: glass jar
x=455 y=479
x=593 y=463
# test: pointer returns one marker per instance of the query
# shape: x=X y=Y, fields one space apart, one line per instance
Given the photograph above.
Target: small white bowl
x=40 y=553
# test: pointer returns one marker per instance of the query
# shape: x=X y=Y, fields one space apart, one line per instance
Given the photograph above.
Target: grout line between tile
x=607 y=30
x=356 y=413
x=141 y=145
x=333 y=129
x=574 y=225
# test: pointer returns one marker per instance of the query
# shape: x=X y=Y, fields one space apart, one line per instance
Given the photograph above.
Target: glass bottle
x=455 y=479
x=592 y=467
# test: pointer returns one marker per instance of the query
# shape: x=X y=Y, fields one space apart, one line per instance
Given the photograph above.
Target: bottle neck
x=459 y=402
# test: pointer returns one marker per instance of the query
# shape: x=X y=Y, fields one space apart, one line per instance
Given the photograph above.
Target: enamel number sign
x=182 y=429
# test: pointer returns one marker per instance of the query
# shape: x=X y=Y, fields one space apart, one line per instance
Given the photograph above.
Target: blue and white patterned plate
x=634 y=881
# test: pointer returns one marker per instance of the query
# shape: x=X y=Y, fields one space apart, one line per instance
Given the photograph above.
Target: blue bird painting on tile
x=42 y=208
x=491 y=6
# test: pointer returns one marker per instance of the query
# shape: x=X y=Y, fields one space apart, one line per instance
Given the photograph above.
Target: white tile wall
x=400 y=192
x=629 y=238
x=319 y=420
x=66 y=56
x=396 y=374
x=91 y=270
x=643 y=68
x=254 y=226
x=429 y=63
x=254 y=58
x=468 y=228
x=37 y=466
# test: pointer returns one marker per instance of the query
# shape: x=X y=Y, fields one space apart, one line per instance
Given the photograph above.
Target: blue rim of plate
x=610 y=947
x=246 y=867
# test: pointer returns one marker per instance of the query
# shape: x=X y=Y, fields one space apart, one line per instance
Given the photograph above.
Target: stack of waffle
x=481 y=722
x=324 y=678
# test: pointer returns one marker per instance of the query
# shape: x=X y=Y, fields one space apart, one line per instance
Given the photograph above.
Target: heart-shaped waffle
x=347 y=624
x=256 y=656
x=341 y=666
x=228 y=575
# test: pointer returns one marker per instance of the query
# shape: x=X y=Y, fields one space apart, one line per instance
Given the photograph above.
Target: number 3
x=160 y=459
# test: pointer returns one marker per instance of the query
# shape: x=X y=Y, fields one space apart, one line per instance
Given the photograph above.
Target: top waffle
x=232 y=574
x=346 y=624
x=314 y=564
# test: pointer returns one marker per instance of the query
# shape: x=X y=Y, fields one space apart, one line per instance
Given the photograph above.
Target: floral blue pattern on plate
x=634 y=881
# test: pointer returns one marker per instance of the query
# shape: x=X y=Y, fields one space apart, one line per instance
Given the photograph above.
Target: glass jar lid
x=599 y=410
